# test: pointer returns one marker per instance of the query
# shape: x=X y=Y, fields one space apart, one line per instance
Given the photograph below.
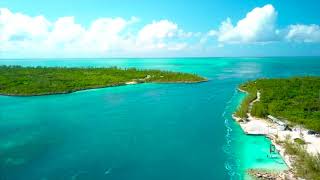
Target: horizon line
x=166 y=57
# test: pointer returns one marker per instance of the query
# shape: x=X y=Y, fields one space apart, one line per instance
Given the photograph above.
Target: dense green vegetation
x=244 y=107
x=296 y=100
x=23 y=81
x=299 y=141
x=305 y=165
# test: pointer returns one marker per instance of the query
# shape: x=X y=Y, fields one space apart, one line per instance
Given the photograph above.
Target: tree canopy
x=24 y=81
x=296 y=100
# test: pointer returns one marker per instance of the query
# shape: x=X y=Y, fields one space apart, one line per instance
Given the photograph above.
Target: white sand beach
x=266 y=127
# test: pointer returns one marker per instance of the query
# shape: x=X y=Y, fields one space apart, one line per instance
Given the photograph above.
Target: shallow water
x=137 y=132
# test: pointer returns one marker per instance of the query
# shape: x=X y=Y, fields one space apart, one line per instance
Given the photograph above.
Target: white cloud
x=20 y=33
x=156 y=35
x=106 y=33
x=205 y=37
x=19 y=27
x=65 y=31
x=36 y=36
x=257 y=26
x=157 y=31
x=304 y=33
x=212 y=33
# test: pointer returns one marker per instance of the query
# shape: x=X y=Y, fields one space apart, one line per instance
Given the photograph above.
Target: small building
x=280 y=124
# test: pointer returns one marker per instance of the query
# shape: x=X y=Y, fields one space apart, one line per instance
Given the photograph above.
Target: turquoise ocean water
x=140 y=132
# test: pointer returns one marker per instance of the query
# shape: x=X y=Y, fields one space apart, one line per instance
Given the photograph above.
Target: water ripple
x=232 y=164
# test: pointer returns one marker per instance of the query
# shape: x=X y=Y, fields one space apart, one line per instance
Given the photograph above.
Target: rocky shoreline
x=262 y=174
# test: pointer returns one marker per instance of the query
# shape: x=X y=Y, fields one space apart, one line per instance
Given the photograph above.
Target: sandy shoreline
x=265 y=127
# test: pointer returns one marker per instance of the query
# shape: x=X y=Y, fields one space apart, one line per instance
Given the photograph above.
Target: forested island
x=296 y=100
x=30 y=81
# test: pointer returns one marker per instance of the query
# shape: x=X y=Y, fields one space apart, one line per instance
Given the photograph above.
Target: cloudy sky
x=166 y=28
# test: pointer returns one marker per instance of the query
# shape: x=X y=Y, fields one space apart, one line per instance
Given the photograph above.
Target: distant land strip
x=36 y=81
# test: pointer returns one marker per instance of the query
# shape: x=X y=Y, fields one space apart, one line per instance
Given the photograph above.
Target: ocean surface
x=144 y=131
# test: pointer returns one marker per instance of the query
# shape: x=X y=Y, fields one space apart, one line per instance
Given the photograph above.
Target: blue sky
x=149 y=28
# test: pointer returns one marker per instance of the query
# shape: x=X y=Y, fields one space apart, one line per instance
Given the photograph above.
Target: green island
x=296 y=100
x=31 y=81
